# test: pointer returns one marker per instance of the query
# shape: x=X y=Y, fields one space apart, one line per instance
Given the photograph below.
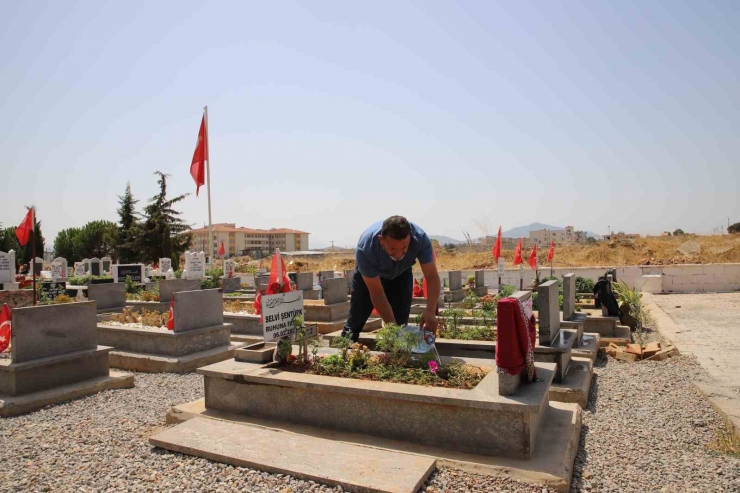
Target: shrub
x=584 y=285
x=392 y=339
x=505 y=291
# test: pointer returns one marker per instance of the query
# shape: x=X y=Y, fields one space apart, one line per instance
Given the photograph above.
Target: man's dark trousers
x=399 y=292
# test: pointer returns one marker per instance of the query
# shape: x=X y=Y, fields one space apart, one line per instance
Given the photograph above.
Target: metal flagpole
x=33 y=251
x=208 y=179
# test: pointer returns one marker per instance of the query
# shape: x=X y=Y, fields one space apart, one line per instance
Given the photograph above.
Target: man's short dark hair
x=396 y=227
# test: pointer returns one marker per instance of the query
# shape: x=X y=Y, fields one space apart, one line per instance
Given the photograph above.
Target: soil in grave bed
x=454 y=376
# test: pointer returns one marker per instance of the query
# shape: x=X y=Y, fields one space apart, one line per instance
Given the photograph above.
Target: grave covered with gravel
x=646 y=429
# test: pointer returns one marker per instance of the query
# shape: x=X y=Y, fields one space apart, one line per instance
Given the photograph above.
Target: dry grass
x=727 y=441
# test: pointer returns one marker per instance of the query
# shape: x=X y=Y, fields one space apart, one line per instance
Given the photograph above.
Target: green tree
x=678 y=232
x=129 y=228
x=67 y=245
x=94 y=239
x=734 y=229
x=164 y=234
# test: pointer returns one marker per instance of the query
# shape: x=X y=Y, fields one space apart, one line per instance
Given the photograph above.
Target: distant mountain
x=523 y=231
x=444 y=240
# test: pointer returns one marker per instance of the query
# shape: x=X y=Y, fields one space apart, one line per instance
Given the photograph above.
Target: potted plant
x=471 y=281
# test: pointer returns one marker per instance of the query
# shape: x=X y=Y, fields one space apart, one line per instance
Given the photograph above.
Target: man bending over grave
x=383 y=279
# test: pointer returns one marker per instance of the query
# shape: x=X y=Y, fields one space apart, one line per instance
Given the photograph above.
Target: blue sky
x=327 y=116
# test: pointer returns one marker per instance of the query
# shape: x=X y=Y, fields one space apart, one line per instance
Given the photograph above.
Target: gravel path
x=645 y=429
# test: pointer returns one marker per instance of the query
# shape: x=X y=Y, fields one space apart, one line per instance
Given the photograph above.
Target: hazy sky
x=328 y=116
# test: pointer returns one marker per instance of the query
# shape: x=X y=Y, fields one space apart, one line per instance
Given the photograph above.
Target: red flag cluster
x=497 y=246
x=551 y=253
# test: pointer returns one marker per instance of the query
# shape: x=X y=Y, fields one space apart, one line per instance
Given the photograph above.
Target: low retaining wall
x=162 y=342
x=689 y=278
x=244 y=324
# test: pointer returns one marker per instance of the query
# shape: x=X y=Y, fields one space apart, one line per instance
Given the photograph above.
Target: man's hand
x=429 y=321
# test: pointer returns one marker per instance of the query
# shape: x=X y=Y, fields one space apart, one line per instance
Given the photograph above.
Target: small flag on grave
x=171 y=318
x=5 y=331
x=221 y=249
x=533 y=258
x=497 y=246
x=518 y=253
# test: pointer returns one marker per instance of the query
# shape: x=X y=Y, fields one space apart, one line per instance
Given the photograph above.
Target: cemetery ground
x=646 y=427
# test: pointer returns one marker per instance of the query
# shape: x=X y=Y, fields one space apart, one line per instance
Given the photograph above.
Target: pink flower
x=433 y=367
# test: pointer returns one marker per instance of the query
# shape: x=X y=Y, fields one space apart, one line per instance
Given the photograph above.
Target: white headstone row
x=59 y=269
x=7 y=267
x=195 y=265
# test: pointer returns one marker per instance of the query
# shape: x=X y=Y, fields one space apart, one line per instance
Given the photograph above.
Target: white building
x=256 y=243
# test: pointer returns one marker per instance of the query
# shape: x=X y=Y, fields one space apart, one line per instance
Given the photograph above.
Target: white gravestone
x=7 y=267
x=229 y=268
x=195 y=265
x=63 y=262
x=57 y=271
x=165 y=264
x=79 y=269
x=107 y=263
x=278 y=311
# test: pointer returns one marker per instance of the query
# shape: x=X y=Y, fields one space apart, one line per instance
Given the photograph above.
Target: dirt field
x=687 y=249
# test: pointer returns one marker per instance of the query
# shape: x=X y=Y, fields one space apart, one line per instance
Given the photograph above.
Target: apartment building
x=567 y=236
x=257 y=243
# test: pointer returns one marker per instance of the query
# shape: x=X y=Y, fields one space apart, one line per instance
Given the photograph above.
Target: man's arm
x=380 y=301
x=429 y=317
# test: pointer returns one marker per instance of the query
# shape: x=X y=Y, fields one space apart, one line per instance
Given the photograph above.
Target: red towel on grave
x=515 y=339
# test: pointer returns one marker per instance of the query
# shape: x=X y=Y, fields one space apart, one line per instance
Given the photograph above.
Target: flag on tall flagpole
x=221 y=249
x=24 y=229
x=533 y=258
x=518 y=253
x=200 y=156
x=551 y=252
x=497 y=246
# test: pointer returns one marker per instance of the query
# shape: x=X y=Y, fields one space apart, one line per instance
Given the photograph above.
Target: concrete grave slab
x=198 y=309
x=334 y=290
x=169 y=286
x=455 y=280
x=231 y=284
x=244 y=324
x=549 y=313
x=51 y=330
x=569 y=296
x=305 y=457
x=17 y=405
x=304 y=281
x=506 y=426
x=109 y=297
x=551 y=464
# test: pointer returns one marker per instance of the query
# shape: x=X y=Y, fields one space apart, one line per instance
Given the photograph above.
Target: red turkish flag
x=4 y=328
x=171 y=318
x=533 y=258
x=279 y=281
x=418 y=292
x=518 y=253
x=200 y=156
x=25 y=228
x=258 y=304
x=221 y=249
x=551 y=252
x=497 y=246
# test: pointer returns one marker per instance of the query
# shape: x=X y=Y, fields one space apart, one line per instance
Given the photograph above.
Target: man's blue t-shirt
x=372 y=261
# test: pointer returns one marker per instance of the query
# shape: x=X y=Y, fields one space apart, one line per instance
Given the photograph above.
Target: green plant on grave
x=131 y=286
x=506 y=290
x=284 y=350
x=83 y=280
x=299 y=323
x=584 y=285
x=471 y=280
x=343 y=344
x=178 y=273
x=214 y=283
x=471 y=300
x=396 y=343
x=315 y=344
x=630 y=303
x=358 y=356
x=454 y=317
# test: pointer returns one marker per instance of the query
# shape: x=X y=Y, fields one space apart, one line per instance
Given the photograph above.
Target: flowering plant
x=433 y=367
